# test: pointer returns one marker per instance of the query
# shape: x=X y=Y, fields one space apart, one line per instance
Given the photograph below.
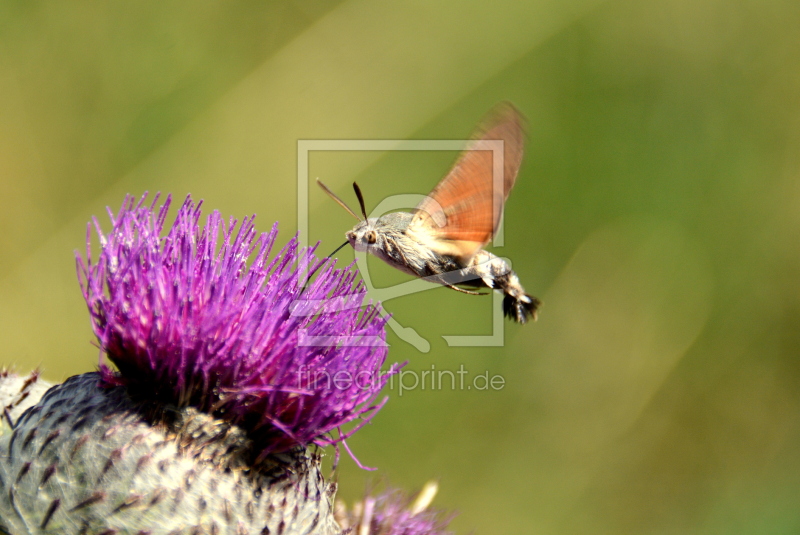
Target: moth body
x=387 y=237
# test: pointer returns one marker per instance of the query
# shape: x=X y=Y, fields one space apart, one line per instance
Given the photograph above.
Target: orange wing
x=463 y=211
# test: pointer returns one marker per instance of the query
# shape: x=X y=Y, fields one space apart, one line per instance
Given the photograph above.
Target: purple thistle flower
x=393 y=512
x=194 y=320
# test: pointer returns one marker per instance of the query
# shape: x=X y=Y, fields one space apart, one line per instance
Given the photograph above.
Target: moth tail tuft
x=521 y=308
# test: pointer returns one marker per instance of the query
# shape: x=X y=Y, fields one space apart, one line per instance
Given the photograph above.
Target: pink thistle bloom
x=203 y=317
x=393 y=512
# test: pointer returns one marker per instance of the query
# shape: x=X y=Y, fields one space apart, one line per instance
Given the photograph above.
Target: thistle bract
x=203 y=317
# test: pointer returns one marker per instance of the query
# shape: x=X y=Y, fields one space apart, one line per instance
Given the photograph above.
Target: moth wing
x=463 y=211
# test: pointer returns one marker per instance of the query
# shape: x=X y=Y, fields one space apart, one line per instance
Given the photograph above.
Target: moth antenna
x=360 y=200
x=333 y=196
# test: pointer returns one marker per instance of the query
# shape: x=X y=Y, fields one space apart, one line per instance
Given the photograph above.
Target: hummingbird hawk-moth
x=443 y=239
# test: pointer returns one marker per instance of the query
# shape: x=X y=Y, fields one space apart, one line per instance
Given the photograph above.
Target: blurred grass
x=656 y=214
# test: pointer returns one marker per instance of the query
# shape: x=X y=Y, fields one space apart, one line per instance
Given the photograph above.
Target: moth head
x=363 y=235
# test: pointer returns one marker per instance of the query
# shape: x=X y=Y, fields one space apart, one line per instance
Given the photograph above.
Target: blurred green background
x=657 y=214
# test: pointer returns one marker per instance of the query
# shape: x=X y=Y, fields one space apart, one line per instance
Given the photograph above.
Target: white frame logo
x=400 y=202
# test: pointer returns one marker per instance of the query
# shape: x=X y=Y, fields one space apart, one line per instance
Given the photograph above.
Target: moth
x=442 y=240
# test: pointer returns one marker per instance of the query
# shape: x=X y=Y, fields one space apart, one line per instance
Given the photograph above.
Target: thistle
x=393 y=512
x=188 y=322
x=231 y=367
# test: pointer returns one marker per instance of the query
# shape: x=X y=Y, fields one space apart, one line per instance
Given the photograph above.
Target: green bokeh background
x=657 y=214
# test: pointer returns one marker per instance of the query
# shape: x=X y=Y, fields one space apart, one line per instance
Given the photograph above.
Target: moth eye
x=371 y=237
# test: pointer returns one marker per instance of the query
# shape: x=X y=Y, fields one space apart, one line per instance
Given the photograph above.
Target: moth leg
x=462 y=290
